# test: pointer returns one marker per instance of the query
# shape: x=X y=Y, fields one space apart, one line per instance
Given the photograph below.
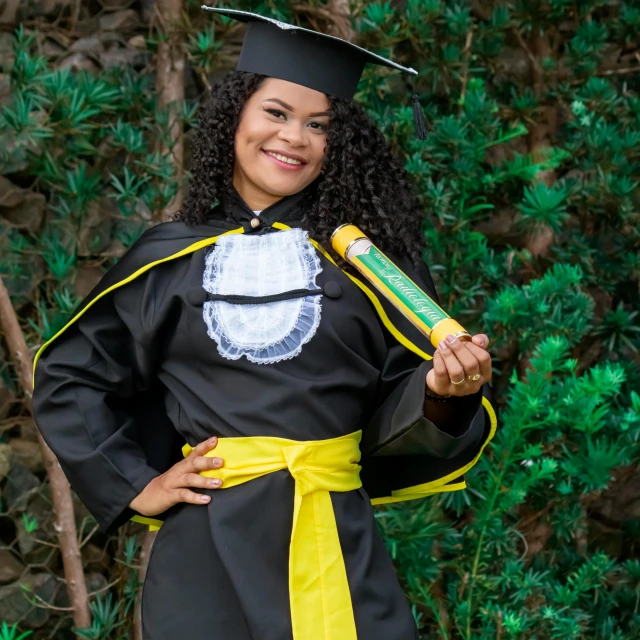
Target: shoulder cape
x=410 y=476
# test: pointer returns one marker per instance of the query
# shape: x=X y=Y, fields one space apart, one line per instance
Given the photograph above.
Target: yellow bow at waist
x=319 y=593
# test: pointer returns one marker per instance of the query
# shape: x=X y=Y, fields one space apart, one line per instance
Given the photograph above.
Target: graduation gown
x=135 y=374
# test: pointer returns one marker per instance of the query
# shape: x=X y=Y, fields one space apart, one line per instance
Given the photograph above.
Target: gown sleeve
x=83 y=404
x=411 y=443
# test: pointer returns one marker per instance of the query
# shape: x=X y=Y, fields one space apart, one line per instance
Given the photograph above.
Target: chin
x=283 y=187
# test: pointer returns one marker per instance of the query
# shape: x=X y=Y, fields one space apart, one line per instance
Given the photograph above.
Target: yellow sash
x=319 y=594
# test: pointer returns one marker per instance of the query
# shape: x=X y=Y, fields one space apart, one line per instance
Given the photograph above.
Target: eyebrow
x=290 y=108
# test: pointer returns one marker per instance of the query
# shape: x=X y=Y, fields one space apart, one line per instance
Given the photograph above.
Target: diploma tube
x=353 y=245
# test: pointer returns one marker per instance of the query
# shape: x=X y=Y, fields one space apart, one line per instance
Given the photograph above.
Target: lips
x=292 y=156
x=284 y=165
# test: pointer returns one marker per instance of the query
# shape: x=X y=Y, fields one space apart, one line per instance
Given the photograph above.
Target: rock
x=147 y=9
x=5 y=460
x=138 y=42
x=28 y=453
x=87 y=25
x=96 y=556
x=620 y=502
x=21 y=484
x=135 y=58
x=9 y=12
x=115 y=4
x=7 y=398
x=16 y=151
x=121 y=21
x=64 y=231
x=142 y=210
x=52 y=49
x=22 y=285
x=95 y=232
x=14 y=600
x=10 y=567
x=84 y=520
x=499 y=227
x=94 y=581
x=32 y=551
x=40 y=508
x=10 y=194
x=86 y=278
x=91 y=44
x=14 y=605
x=512 y=64
x=77 y=62
x=5 y=88
x=49 y=7
x=27 y=214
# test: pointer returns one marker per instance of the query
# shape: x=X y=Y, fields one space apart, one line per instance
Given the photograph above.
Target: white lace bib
x=260 y=266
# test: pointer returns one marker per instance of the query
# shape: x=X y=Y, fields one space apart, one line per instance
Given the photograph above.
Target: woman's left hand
x=456 y=360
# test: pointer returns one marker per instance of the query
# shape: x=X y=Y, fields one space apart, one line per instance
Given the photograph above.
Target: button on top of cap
x=255 y=223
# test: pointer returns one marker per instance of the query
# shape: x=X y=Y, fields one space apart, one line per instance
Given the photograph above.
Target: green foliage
x=10 y=633
x=104 y=615
x=514 y=555
x=111 y=619
x=30 y=522
x=81 y=140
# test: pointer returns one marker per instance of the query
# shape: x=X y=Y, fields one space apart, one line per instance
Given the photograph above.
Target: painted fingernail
x=443 y=346
x=451 y=339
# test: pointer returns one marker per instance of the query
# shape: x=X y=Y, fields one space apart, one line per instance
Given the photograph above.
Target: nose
x=293 y=133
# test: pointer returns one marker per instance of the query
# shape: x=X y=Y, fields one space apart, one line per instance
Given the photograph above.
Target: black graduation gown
x=134 y=375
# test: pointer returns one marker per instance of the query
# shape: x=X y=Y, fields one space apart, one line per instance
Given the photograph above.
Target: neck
x=254 y=197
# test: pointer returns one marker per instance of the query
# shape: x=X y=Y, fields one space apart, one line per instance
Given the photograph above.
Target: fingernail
x=217 y=482
x=217 y=461
x=213 y=440
x=443 y=345
x=205 y=498
x=214 y=483
x=451 y=339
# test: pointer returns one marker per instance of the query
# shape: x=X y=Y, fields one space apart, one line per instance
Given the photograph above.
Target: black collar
x=286 y=210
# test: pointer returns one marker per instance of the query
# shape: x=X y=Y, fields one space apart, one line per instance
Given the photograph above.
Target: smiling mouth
x=284 y=161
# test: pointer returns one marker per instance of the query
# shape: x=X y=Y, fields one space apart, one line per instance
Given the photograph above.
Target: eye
x=275 y=112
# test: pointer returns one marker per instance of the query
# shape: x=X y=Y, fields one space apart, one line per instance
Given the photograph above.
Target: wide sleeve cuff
x=119 y=512
x=400 y=426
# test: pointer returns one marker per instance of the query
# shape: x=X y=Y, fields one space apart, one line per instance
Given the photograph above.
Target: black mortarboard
x=310 y=58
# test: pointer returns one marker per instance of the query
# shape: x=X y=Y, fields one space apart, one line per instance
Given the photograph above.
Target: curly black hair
x=361 y=181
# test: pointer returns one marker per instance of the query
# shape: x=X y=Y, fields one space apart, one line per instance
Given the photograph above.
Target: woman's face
x=285 y=119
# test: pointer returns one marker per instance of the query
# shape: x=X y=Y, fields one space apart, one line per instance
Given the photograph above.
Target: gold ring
x=474 y=377
x=460 y=382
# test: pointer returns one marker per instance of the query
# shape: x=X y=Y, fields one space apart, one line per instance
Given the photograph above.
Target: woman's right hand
x=172 y=486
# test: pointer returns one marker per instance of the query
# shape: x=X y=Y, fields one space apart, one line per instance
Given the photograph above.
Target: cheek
x=255 y=131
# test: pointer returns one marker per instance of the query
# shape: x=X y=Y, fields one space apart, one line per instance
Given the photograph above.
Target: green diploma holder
x=354 y=247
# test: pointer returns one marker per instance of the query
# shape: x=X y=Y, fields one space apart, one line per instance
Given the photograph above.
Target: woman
x=201 y=334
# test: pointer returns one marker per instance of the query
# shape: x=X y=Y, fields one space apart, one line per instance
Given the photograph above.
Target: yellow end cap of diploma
x=343 y=236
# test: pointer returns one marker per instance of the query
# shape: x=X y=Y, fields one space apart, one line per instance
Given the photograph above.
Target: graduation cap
x=316 y=60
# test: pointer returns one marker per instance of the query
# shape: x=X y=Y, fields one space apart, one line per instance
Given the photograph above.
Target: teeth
x=284 y=158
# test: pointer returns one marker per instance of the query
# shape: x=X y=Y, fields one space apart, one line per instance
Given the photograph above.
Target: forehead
x=301 y=98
